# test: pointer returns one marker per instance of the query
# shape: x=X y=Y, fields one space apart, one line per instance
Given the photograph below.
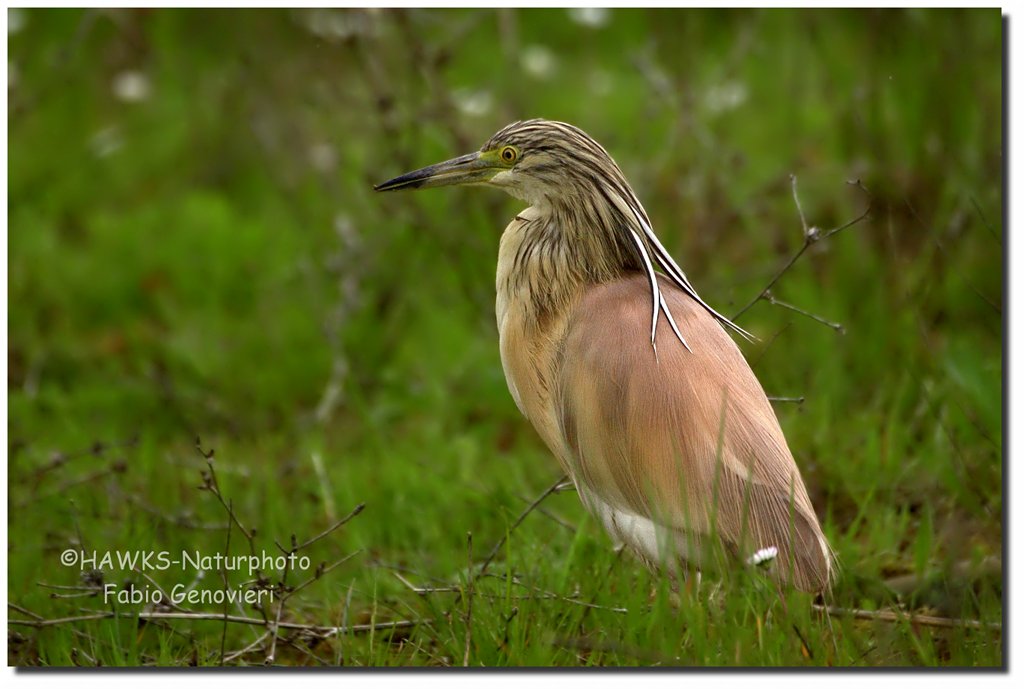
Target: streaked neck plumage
x=558 y=248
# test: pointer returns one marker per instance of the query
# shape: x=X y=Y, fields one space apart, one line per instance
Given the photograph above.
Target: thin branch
x=532 y=506
x=894 y=616
x=812 y=235
x=248 y=649
x=334 y=527
x=24 y=611
x=75 y=652
x=320 y=572
x=61 y=587
x=269 y=660
x=211 y=484
x=165 y=598
x=319 y=630
x=770 y=298
x=551 y=515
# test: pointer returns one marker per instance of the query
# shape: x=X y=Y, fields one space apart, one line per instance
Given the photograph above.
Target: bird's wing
x=687 y=439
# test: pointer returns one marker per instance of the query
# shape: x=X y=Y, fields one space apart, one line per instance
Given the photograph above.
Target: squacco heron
x=629 y=377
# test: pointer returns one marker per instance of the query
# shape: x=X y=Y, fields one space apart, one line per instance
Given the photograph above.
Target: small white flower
x=131 y=86
x=763 y=556
x=594 y=17
x=538 y=61
x=323 y=157
x=15 y=20
x=473 y=103
x=339 y=25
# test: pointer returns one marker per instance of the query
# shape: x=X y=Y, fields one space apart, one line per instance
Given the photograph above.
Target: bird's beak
x=468 y=169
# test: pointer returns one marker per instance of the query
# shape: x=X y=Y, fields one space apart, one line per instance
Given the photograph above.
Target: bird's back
x=685 y=442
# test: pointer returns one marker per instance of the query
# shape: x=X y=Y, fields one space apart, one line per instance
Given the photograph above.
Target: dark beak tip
x=397 y=183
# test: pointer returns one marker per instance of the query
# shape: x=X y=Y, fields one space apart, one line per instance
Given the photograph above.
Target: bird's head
x=538 y=161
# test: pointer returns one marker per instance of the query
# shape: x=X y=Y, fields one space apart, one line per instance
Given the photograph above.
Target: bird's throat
x=542 y=269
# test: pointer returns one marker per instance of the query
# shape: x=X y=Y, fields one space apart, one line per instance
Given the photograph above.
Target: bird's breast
x=532 y=309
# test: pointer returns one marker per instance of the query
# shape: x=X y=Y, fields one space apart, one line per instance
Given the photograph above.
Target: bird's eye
x=509 y=154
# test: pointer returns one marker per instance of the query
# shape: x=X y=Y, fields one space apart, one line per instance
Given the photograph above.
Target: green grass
x=210 y=261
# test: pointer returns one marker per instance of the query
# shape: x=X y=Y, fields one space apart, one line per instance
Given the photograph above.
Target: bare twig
x=76 y=652
x=287 y=592
x=165 y=598
x=812 y=235
x=248 y=649
x=332 y=528
x=551 y=515
x=210 y=484
x=269 y=660
x=770 y=298
x=86 y=592
x=61 y=587
x=424 y=590
x=320 y=572
x=24 y=611
x=794 y=400
x=532 y=506
x=899 y=616
x=317 y=630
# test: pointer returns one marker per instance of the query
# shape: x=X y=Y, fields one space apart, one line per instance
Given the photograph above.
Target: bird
x=629 y=377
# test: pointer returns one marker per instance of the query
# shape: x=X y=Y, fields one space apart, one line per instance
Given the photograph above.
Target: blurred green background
x=195 y=250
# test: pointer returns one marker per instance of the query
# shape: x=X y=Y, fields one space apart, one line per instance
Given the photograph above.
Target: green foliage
x=205 y=257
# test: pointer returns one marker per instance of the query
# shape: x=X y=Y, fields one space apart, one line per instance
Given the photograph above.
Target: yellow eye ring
x=509 y=154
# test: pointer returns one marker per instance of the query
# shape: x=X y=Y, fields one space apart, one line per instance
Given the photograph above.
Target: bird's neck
x=549 y=254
